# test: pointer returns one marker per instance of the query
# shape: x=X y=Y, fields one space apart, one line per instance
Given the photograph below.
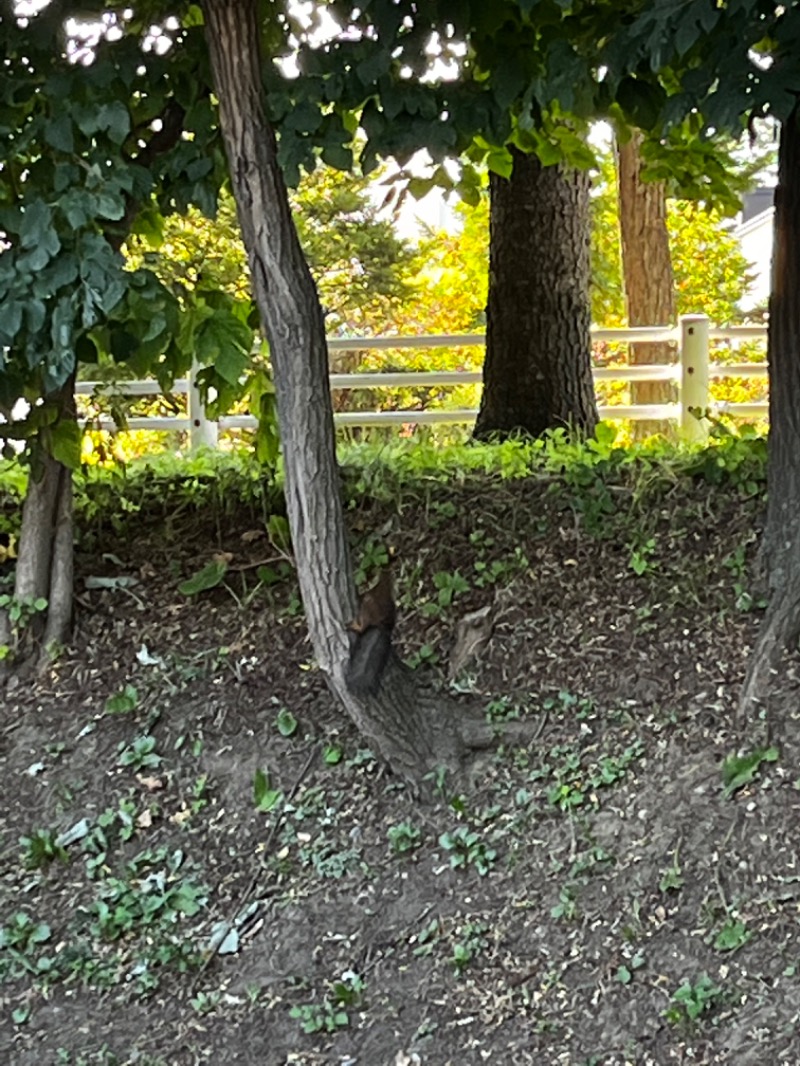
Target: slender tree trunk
x=647 y=273
x=537 y=374
x=44 y=568
x=781 y=547
x=402 y=725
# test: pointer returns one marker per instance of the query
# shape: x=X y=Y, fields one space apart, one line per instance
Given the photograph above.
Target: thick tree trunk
x=400 y=725
x=537 y=374
x=781 y=548
x=647 y=273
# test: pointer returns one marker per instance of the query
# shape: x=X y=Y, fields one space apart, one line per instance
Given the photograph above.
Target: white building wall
x=755 y=239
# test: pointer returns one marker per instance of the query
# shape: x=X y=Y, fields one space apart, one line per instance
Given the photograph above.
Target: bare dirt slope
x=595 y=899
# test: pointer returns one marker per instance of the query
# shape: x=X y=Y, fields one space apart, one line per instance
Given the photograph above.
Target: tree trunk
x=647 y=273
x=537 y=374
x=44 y=569
x=411 y=734
x=781 y=547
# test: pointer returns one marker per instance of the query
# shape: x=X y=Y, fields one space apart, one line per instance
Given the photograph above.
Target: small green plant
x=471 y=943
x=20 y=940
x=206 y=1002
x=41 y=848
x=265 y=796
x=502 y=709
x=626 y=970
x=199 y=795
x=140 y=754
x=736 y=562
x=285 y=722
x=689 y=1001
x=672 y=878
x=428 y=937
x=423 y=656
x=204 y=579
x=567 y=703
x=439 y=778
x=331 y=1013
x=467 y=849
x=374 y=556
x=567 y=906
x=740 y=770
x=403 y=837
x=641 y=559
x=124 y=701
x=490 y=573
x=21 y=610
x=448 y=586
x=732 y=936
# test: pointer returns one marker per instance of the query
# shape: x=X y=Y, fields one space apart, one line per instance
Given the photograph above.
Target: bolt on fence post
x=202 y=431
x=694 y=377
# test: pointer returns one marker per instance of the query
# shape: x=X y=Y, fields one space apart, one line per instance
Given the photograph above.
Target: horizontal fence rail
x=691 y=374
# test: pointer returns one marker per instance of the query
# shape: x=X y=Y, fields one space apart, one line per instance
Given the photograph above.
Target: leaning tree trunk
x=537 y=374
x=781 y=547
x=400 y=723
x=647 y=273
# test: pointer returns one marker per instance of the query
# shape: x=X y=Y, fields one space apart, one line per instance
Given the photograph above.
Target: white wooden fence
x=691 y=372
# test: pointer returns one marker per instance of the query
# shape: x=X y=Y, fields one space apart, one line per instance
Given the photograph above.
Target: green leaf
x=115 y=119
x=110 y=205
x=231 y=365
x=605 y=433
x=278 y=532
x=286 y=722
x=208 y=578
x=501 y=162
x=371 y=69
x=124 y=701
x=38 y=258
x=36 y=223
x=264 y=796
x=739 y=770
x=65 y=443
x=58 y=134
x=732 y=936
x=338 y=156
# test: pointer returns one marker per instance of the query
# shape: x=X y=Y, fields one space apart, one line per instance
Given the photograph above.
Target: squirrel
x=371 y=637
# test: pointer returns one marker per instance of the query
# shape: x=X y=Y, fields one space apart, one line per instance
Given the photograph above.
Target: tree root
x=780 y=627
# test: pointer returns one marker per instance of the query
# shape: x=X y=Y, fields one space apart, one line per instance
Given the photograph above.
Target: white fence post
x=694 y=377
x=202 y=431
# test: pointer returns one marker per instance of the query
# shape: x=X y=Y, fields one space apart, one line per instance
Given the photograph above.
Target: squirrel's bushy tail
x=369 y=655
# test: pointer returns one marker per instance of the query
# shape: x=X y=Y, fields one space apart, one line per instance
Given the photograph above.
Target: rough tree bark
x=781 y=545
x=648 y=280
x=537 y=374
x=44 y=568
x=413 y=732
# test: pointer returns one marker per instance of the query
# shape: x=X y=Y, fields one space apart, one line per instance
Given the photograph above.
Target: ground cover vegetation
x=446 y=745
x=616 y=884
